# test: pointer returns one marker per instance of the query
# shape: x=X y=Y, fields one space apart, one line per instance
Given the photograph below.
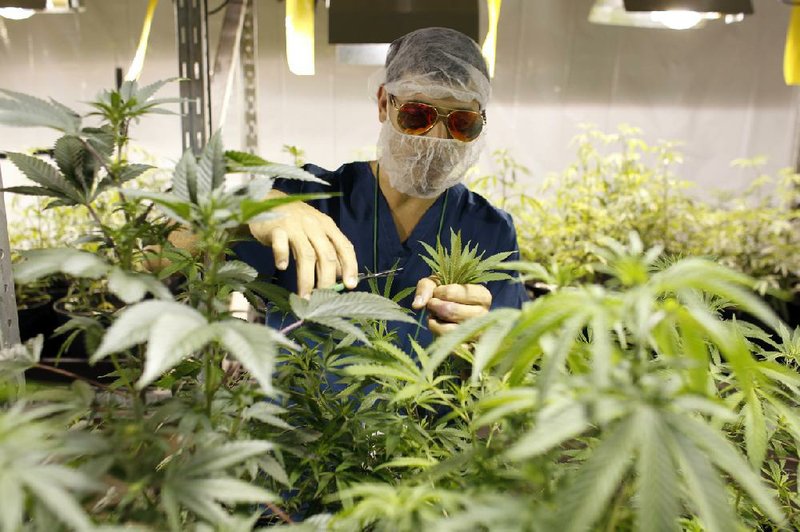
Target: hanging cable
x=219 y=8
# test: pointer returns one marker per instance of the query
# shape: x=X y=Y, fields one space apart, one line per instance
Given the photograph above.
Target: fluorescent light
x=678 y=19
x=490 y=42
x=16 y=13
x=300 y=36
x=613 y=12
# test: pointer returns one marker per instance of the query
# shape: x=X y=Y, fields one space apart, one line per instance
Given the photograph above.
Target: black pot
x=43 y=317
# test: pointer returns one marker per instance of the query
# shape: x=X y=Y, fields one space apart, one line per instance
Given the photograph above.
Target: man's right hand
x=320 y=249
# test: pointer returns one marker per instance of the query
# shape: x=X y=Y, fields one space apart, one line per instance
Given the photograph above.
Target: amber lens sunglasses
x=417 y=118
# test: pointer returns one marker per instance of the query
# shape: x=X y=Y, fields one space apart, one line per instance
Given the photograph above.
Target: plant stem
x=286 y=330
x=612 y=520
x=208 y=384
x=137 y=402
x=106 y=235
x=72 y=375
x=280 y=513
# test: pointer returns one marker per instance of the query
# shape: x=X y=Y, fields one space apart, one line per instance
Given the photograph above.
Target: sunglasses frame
x=441 y=116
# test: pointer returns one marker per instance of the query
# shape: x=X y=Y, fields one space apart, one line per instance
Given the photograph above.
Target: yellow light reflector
x=300 y=36
x=791 y=54
x=135 y=70
x=490 y=42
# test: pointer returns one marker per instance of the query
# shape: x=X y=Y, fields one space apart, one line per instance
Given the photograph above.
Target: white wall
x=719 y=89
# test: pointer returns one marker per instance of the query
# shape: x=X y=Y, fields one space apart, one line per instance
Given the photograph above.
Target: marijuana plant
x=462 y=264
x=635 y=404
x=175 y=446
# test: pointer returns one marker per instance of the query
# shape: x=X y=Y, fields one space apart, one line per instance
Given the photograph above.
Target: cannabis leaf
x=31 y=449
x=238 y=161
x=200 y=482
x=23 y=110
x=174 y=332
x=332 y=309
x=18 y=358
x=462 y=264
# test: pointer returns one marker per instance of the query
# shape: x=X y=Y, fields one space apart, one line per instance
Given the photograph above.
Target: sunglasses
x=417 y=118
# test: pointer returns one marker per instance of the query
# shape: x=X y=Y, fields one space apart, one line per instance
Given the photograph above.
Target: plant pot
x=43 y=315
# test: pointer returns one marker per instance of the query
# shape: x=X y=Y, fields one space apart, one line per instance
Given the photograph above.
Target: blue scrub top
x=354 y=211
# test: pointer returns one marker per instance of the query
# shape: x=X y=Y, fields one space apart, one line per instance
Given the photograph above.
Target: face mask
x=421 y=166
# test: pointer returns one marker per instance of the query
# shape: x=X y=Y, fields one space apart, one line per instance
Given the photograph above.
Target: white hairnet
x=437 y=62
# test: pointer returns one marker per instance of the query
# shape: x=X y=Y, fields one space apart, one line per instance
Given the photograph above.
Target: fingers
x=466 y=294
x=280 y=248
x=454 y=312
x=326 y=257
x=321 y=251
x=306 y=260
x=439 y=328
x=346 y=255
x=425 y=288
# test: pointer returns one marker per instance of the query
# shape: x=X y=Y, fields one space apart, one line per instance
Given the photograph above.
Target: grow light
x=671 y=14
x=22 y=9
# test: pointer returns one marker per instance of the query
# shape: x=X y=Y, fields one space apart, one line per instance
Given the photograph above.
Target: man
x=431 y=103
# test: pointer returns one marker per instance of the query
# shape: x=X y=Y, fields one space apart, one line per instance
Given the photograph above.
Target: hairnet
x=437 y=62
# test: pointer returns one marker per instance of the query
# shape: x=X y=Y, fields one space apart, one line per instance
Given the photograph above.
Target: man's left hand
x=450 y=304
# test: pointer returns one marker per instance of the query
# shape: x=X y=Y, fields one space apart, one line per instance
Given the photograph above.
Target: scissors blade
x=384 y=273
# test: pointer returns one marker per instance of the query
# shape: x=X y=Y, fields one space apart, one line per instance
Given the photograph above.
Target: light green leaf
x=658 y=506
x=20 y=357
x=280 y=170
x=131 y=287
x=274 y=469
x=444 y=345
x=47 y=176
x=755 y=431
x=215 y=459
x=230 y=490
x=554 y=425
x=342 y=325
x=178 y=209
x=22 y=110
x=379 y=371
x=235 y=271
x=584 y=499
x=408 y=461
x=211 y=168
x=172 y=338
x=725 y=456
x=57 y=497
x=707 y=491
x=254 y=345
x=267 y=413
x=359 y=305
x=39 y=263
x=184 y=180
x=12 y=503
x=133 y=326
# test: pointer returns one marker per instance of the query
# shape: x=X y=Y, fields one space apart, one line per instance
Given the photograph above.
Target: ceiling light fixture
x=300 y=36
x=671 y=14
x=22 y=9
x=16 y=13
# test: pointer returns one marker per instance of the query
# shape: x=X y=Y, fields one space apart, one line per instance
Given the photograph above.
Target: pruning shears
x=338 y=287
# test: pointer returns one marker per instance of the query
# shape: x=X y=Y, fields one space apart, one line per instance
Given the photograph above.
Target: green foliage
x=635 y=404
x=462 y=264
x=620 y=183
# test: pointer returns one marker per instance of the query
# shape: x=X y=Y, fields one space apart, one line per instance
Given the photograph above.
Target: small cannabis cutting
x=462 y=264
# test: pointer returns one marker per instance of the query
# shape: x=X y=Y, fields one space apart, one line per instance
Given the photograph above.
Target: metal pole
x=248 y=55
x=9 y=319
x=192 y=32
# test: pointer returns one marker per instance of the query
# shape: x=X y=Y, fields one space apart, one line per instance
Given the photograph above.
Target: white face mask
x=421 y=166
